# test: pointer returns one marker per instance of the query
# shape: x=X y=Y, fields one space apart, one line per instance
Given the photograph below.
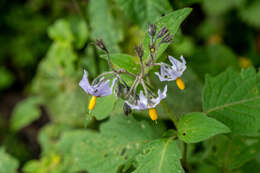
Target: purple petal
x=139 y=106
x=104 y=89
x=183 y=60
x=84 y=83
x=176 y=63
x=161 y=95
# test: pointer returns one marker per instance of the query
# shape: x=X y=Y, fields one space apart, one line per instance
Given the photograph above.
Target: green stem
x=172 y=117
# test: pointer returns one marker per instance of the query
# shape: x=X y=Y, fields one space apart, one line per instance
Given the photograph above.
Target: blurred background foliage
x=45 y=45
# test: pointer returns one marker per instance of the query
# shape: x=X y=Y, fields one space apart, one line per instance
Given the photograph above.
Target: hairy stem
x=144 y=86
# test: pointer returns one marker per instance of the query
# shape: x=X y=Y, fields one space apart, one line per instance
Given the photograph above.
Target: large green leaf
x=57 y=82
x=196 y=127
x=60 y=31
x=80 y=31
x=178 y=101
x=49 y=135
x=69 y=107
x=128 y=62
x=25 y=113
x=104 y=106
x=212 y=59
x=234 y=100
x=172 y=21
x=159 y=156
x=144 y=11
x=8 y=164
x=104 y=25
x=230 y=153
x=118 y=141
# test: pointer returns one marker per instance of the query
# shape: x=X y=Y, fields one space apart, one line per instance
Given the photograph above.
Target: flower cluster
x=146 y=99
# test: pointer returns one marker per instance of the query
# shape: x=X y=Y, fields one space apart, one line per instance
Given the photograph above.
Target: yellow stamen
x=152 y=50
x=180 y=83
x=92 y=103
x=153 y=114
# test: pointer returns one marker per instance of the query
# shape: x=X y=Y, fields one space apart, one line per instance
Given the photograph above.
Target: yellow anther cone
x=92 y=103
x=153 y=114
x=180 y=83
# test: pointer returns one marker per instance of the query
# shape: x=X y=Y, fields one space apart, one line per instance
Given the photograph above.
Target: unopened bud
x=162 y=32
x=127 y=109
x=121 y=90
x=101 y=45
x=152 y=29
x=139 y=50
x=167 y=38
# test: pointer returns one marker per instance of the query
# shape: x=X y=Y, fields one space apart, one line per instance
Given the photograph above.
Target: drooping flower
x=148 y=103
x=98 y=89
x=174 y=72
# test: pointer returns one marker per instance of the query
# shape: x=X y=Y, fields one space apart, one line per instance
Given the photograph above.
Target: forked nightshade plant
x=146 y=100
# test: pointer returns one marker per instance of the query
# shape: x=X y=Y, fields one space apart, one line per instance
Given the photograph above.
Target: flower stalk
x=100 y=86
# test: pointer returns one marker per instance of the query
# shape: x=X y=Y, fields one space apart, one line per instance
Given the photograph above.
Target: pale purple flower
x=169 y=73
x=148 y=103
x=100 y=89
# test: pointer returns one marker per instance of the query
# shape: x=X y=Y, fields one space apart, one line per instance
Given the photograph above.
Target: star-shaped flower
x=174 y=72
x=99 y=89
x=149 y=103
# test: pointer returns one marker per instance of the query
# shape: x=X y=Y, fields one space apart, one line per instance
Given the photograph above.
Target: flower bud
x=152 y=29
x=101 y=45
x=139 y=50
x=127 y=109
x=162 y=32
x=167 y=38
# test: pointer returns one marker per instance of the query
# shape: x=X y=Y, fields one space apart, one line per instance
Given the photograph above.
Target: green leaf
x=49 y=135
x=104 y=25
x=159 y=156
x=54 y=71
x=172 y=21
x=46 y=164
x=104 y=106
x=250 y=13
x=234 y=100
x=213 y=59
x=144 y=11
x=179 y=101
x=70 y=107
x=57 y=83
x=80 y=31
x=119 y=141
x=196 y=127
x=128 y=62
x=8 y=164
x=25 y=113
x=231 y=152
x=60 y=31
